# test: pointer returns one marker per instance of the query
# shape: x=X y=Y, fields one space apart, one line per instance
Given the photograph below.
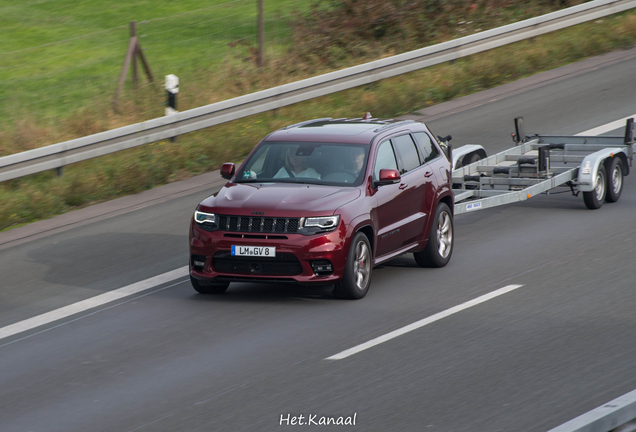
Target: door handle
x=403 y=186
x=428 y=174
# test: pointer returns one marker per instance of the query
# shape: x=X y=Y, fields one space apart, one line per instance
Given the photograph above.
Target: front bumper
x=294 y=254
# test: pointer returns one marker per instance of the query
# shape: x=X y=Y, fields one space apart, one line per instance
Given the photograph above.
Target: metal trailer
x=593 y=165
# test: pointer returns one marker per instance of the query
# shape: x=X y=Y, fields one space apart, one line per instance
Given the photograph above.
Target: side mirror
x=446 y=146
x=227 y=170
x=445 y=139
x=387 y=177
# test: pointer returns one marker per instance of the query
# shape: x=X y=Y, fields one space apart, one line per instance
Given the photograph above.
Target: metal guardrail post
x=45 y=158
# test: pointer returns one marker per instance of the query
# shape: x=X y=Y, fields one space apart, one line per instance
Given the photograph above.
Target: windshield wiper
x=251 y=181
x=296 y=180
x=279 y=180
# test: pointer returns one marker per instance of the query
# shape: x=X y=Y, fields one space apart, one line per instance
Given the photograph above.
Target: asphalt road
x=170 y=359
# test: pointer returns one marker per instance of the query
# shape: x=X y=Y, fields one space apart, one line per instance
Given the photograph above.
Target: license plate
x=257 y=251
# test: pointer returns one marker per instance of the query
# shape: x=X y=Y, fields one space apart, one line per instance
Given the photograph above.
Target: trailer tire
x=439 y=248
x=594 y=199
x=467 y=160
x=614 y=179
x=472 y=159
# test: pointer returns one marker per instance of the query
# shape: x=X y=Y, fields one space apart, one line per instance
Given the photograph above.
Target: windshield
x=315 y=163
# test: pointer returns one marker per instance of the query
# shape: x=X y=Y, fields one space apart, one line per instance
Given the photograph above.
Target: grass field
x=61 y=57
x=44 y=195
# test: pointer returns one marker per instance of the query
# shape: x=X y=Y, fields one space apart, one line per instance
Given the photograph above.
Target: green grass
x=44 y=195
x=62 y=57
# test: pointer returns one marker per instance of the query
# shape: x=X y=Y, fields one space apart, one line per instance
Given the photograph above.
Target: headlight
x=325 y=222
x=201 y=217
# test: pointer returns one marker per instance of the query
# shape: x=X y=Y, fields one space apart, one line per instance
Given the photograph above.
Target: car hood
x=279 y=199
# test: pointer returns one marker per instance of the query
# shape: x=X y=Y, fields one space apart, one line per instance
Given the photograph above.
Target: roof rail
x=392 y=125
x=306 y=123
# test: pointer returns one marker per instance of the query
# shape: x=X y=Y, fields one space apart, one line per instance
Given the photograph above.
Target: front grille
x=258 y=224
x=257 y=236
x=283 y=264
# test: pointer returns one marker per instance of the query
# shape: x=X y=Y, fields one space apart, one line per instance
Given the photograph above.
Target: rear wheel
x=595 y=198
x=439 y=248
x=357 y=276
x=471 y=159
x=614 y=179
x=210 y=287
x=467 y=160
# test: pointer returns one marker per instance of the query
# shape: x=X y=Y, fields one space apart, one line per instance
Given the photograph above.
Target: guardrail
x=615 y=416
x=76 y=150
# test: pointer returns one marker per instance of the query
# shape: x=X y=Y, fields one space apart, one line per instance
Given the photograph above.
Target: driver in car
x=296 y=165
x=357 y=159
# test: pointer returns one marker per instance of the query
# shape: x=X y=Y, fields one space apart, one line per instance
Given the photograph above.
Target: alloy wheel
x=444 y=234
x=362 y=265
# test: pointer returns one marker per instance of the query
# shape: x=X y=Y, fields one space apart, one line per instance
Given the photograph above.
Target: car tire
x=357 y=275
x=211 y=288
x=439 y=248
x=614 y=179
x=594 y=199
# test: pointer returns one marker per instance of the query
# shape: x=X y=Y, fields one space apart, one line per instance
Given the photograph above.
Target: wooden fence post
x=133 y=34
x=261 y=31
x=134 y=51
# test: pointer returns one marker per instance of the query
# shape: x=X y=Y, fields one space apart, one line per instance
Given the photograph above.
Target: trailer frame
x=540 y=163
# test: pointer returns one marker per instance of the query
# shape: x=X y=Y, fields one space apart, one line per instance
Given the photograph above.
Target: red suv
x=323 y=202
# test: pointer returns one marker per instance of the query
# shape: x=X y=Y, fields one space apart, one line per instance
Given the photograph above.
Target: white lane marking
x=422 y=322
x=92 y=302
x=606 y=127
x=617 y=412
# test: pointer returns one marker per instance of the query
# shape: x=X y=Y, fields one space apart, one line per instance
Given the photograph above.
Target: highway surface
x=559 y=343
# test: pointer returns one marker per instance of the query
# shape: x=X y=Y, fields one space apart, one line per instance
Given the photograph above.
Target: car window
x=260 y=160
x=428 y=149
x=408 y=152
x=306 y=162
x=385 y=159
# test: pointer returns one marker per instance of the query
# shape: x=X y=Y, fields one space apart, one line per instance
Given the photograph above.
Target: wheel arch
x=481 y=153
x=448 y=200
x=368 y=231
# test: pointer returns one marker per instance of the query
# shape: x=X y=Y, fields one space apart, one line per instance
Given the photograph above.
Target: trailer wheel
x=439 y=248
x=595 y=198
x=472 y=159
x=467 y=160
x=614 y=179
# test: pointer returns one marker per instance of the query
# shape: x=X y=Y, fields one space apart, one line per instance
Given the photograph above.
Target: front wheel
x=595 y=198
x=209 y=288
x=357 y=276
x=439 y=248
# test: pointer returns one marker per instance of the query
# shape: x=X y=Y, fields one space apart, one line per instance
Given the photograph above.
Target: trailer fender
x=461 y=152
x=589 y=167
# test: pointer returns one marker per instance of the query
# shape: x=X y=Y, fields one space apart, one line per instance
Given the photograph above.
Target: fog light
x=198 y=262
x=322 y=267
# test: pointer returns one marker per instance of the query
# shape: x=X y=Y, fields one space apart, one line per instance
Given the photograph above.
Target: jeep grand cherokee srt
x=323 y=202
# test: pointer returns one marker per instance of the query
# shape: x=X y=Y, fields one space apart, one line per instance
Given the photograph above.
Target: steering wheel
x=345 y=176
